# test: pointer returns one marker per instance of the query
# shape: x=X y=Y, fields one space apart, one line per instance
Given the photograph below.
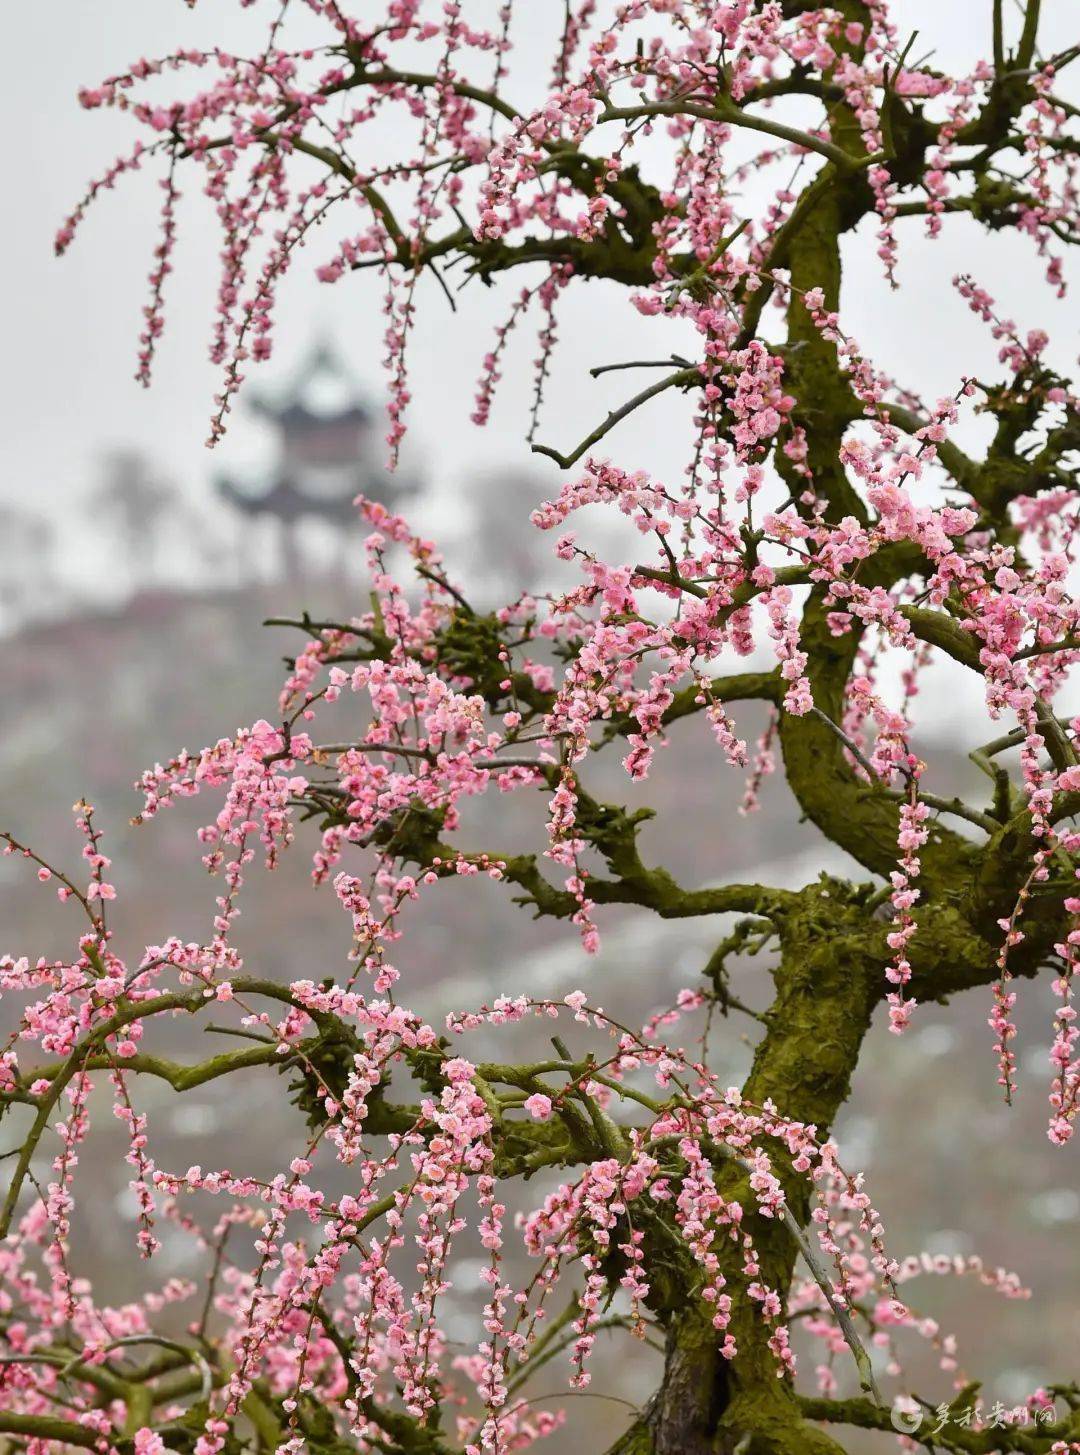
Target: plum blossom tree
x=828 y=524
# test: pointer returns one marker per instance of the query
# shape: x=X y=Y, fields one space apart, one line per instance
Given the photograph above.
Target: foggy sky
x=71 y=324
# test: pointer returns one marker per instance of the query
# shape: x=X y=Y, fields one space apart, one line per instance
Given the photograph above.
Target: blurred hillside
x=90 y=700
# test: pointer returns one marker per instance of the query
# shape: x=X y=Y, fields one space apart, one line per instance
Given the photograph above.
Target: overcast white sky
x=70 y=325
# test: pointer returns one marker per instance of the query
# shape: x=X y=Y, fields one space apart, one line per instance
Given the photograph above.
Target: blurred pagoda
x=330 y=450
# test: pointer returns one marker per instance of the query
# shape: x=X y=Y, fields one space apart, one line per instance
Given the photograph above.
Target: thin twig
x=678 y=380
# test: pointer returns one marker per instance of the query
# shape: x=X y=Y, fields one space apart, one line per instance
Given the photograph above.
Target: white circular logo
x=905 y=1416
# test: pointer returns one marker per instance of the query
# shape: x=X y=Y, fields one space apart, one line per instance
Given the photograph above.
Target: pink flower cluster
x=765 y=572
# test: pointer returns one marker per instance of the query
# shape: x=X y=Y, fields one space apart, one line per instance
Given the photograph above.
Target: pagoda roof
x=291 y=496
x=322 y=391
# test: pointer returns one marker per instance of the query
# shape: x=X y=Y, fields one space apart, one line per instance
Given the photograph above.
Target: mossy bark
x=826 y=981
